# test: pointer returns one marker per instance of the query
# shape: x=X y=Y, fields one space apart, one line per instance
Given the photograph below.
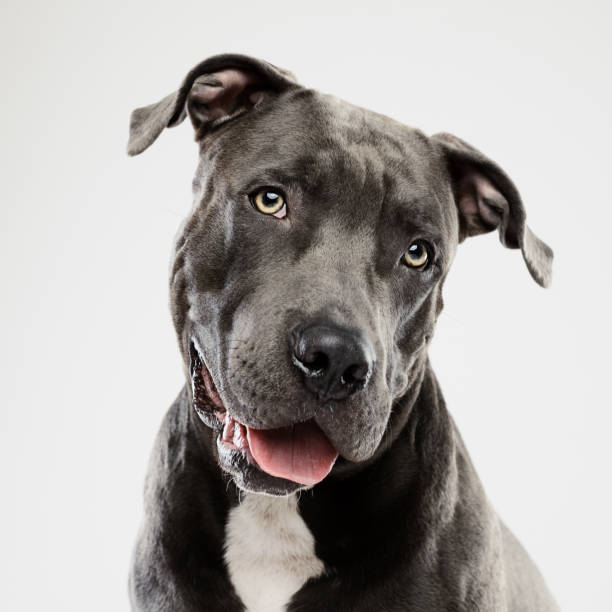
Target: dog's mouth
x=299 y=453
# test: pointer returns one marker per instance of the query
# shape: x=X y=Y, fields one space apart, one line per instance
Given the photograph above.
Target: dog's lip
x=209 y=406
x=205 y=397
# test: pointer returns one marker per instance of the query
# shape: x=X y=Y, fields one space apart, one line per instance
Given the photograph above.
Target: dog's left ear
x=218 y=89
x=487 y=199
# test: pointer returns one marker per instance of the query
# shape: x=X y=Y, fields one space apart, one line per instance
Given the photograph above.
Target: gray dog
x=310 y=462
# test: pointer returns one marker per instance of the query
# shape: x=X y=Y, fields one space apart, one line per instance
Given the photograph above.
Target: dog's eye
x=416 y=256
x=269 y=202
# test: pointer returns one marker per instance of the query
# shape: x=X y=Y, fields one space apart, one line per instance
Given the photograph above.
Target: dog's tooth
x=240 y=436
x=228 y=428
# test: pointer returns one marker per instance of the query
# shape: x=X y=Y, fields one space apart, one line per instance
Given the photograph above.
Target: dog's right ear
x=215 y=91
x=487 y=199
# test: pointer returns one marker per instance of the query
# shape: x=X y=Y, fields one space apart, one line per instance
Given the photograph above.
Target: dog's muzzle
x=300 y=453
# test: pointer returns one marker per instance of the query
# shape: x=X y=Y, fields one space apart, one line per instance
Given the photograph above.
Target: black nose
x=335 y=361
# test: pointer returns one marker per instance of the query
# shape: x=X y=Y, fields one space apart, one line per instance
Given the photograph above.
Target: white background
x=88 y=356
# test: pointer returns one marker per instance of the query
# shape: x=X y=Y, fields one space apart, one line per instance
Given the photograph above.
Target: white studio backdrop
x=89 y=362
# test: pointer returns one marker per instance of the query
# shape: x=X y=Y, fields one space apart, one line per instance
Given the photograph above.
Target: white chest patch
x=269 y=551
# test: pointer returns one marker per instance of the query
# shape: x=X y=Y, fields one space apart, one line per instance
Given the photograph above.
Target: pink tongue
x=300 y=453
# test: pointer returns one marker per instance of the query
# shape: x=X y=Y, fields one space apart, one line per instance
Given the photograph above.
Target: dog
x=310 y=462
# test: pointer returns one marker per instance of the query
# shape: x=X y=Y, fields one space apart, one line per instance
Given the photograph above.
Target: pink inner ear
x=256 y=97
x=480 y=202
x=220 y=94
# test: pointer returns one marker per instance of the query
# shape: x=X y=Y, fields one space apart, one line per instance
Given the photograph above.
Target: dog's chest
x=269 y=552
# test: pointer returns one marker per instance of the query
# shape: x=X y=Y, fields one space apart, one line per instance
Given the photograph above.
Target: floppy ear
x=216 y=90
x=487 y=199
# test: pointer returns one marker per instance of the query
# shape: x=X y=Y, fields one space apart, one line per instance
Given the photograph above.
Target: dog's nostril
x=316 y=362
x=355 y=374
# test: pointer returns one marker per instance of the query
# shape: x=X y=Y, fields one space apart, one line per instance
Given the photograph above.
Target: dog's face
x=307 y=279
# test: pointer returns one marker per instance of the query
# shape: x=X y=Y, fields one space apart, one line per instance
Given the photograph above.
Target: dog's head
x=307 y=279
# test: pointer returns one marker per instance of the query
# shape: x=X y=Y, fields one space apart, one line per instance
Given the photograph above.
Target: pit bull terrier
x=310 y=462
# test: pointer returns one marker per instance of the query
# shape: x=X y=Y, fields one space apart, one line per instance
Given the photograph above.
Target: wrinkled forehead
x=335 y=152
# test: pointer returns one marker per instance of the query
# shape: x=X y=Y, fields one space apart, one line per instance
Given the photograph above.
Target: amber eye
x=269 y=202
x=416 y=256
